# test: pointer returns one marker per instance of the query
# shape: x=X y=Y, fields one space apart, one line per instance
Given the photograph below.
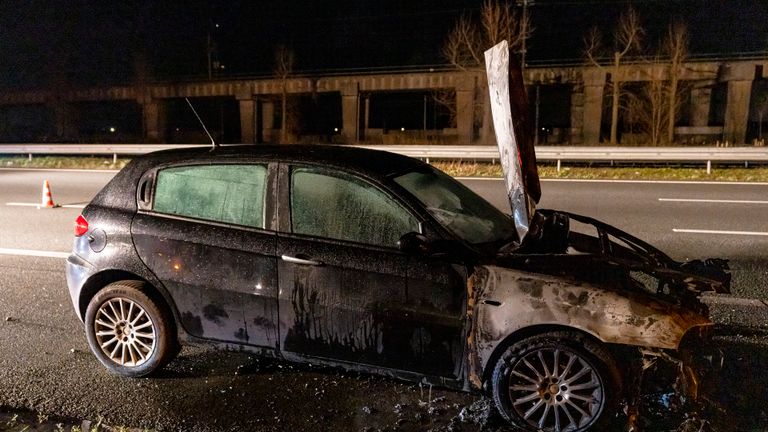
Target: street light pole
x=524 y=34
x=210 y=49
x=209 y=53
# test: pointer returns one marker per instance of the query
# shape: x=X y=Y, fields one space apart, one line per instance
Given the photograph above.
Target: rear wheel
x=129 y=332
x=559 y=381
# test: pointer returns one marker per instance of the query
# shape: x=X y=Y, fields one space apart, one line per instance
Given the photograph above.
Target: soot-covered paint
x=506 y=301
x=220 y=278
x=370 y=308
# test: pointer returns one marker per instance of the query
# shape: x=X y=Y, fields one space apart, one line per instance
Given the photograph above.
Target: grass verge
x=756 y=174
x=466 y=169
x=63 y=162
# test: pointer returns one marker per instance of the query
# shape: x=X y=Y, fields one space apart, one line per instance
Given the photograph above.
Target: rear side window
x=221 y=193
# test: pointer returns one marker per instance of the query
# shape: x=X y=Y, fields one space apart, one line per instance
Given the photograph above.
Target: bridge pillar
x=350 y=112
x=701 y=101
x=267 y=120
x=247 y=121
x=154 y=120
x=247 y=105
x=591 y=106
x=366 y=117
x=739 y=78
x=577 y=114
x=64 y=120
x=465 y=110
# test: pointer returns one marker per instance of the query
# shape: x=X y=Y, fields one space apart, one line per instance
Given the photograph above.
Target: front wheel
x=559 y=381
x=129 y=332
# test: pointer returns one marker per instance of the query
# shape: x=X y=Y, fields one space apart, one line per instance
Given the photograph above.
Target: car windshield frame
x=455 y=207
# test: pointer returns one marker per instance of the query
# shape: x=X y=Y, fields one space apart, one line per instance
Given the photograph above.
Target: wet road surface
x=45 y=366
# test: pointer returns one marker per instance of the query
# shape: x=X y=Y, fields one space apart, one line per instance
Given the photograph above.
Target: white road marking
x=698 y=231
x=715 y=299
x=685 y=182
x=697 y=200
x=77 y=206
x=75 y=170
x=36 y=253
x=682 y=182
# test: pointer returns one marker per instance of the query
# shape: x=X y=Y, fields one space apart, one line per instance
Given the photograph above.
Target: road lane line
x=680 y=182
x=726 y=300
x=698 y=231
x=78 y=206
x=35 y=253
x=73 y=170
x=701 y=200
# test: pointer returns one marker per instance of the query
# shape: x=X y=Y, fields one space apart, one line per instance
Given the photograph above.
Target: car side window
x=221 y=193
x=335 y=205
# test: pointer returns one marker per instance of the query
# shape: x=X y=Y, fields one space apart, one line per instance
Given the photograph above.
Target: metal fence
x=551 y=154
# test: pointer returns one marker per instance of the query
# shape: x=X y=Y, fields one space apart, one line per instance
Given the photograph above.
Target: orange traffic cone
x=47 y=201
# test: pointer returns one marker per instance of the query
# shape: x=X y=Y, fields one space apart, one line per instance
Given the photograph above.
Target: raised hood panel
x=511 y=122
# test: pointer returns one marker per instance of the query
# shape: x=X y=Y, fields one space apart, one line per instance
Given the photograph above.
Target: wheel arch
x=527 y=332
x=100 y=280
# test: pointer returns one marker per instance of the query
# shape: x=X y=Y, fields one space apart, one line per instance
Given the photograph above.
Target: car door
x=342 y=277
x=437 y=299
x=203 y=230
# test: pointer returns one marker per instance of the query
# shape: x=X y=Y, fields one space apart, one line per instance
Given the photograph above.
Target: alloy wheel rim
x=555 y=390
x=125 y=332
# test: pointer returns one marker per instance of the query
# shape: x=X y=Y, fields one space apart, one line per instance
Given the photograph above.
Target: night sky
x=81 y=43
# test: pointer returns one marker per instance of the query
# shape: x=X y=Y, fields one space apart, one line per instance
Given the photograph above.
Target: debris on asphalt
x=479 y=412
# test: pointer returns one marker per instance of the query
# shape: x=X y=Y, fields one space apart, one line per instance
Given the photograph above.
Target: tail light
x=81 y=226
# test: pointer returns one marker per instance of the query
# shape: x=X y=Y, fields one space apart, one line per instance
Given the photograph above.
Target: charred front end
x=579 y=275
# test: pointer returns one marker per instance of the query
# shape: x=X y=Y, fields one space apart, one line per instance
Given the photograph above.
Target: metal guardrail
x=552 y=154
x=560 y=154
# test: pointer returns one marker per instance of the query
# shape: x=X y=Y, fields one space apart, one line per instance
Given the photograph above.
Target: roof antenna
x=214 y=145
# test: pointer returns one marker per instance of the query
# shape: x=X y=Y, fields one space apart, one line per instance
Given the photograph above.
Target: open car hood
x=514 y=135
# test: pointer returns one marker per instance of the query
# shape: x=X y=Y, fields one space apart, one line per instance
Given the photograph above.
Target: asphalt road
x=45 y=364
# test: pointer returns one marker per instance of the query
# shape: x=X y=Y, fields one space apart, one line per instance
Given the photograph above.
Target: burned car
x=377 y=262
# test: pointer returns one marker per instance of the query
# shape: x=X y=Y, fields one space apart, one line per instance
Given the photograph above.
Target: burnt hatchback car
x=374 y=261
x=377 y=262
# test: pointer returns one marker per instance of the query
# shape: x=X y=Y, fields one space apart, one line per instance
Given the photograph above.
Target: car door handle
x=301 y=261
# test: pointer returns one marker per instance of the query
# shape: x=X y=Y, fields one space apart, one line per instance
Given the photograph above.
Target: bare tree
x=463 y=47
x=447 y=99
x=627 y=40
x=468 y=40
x=656 y=106
x=470 y=37
x=284 y=60
x=648 y=110
x=676 y=47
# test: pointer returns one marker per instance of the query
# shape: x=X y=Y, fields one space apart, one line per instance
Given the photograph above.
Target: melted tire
x=594 y=354
x=165 y=346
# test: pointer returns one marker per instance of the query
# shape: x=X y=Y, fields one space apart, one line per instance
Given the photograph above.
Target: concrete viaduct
x=257 y=98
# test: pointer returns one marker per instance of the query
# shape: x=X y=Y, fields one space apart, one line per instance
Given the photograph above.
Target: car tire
x=129 y=332
x=578 y=394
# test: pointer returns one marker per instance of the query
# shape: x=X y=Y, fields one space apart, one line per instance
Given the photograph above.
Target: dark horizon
x=98 y=43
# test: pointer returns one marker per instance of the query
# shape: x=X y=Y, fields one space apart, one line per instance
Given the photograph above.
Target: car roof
x=373 y=162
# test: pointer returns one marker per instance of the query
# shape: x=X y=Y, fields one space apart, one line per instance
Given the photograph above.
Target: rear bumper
x=78 y=271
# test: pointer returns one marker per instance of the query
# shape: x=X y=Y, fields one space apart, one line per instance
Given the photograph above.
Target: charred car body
x=376 y=262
